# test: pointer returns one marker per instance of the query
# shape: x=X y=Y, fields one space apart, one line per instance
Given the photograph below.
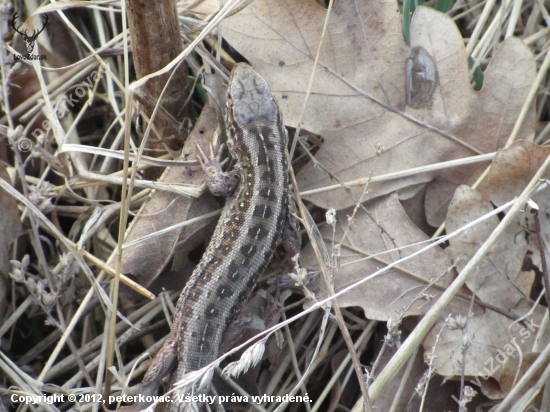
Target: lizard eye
x=261 y=88
x=237 y=92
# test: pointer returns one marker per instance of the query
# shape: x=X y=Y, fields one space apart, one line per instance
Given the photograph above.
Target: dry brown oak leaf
x=498 y=280
x=358 y=97
x=510 y=171
x=402 y=288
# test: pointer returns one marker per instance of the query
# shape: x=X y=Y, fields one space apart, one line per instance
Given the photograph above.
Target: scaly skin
x=244 y=240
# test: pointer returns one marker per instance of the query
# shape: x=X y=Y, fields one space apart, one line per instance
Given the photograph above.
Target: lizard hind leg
x=163 y=363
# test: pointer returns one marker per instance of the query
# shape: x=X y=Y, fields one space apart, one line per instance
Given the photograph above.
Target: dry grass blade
x=117 y=154
x=402 y=124
x=426 y=323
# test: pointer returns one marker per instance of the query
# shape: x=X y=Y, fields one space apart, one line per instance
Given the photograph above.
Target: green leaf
x=444 y=5
x=409 y=6
x=478 y=74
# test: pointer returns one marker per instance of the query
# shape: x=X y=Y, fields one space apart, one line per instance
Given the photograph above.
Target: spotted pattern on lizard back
x=243 y=242
x=249 y=228
x=250 y=225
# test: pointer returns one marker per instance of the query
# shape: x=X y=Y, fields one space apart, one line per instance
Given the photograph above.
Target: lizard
x=244 y=240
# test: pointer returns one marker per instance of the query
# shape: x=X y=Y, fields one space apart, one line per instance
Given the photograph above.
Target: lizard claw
x=213 y=160
x=219 y=183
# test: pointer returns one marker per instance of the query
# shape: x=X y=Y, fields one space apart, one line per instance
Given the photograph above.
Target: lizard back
x=249 y=228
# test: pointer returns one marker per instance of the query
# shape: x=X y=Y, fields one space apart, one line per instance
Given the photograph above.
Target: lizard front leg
x=219 y=183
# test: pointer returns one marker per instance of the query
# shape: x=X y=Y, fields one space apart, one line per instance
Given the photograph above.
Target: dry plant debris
x=422 y=151
x=405 y=286
x=360 y=72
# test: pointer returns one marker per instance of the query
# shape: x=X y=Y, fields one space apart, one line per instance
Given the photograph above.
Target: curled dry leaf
x=512 y=169
x=385 y=228
x=498 y=280
x=494 y=280
x=358 y=99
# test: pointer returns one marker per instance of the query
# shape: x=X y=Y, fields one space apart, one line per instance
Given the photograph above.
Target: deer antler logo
x=29 y=40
